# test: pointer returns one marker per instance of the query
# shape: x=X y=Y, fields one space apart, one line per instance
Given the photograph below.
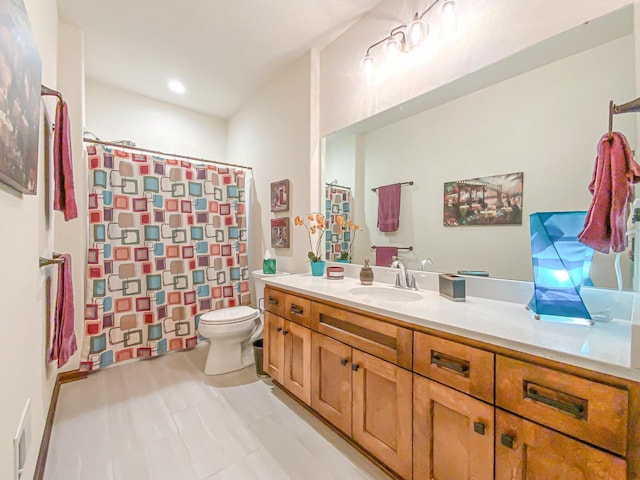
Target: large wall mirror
x=540 y=112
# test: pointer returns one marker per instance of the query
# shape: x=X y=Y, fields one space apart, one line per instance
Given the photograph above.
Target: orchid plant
x=317 y=225
x=342 y=226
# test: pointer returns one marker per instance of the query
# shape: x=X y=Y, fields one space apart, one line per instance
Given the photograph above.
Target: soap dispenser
x=366 y=274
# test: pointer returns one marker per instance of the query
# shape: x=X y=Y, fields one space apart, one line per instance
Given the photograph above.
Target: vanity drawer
x=464 y=368
x=274 y=301
x=297 y=309
x=381 y=339
x=581 y=408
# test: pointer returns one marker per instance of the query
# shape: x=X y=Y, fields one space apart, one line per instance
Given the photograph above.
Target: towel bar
x=373 y=247
x=43 y=262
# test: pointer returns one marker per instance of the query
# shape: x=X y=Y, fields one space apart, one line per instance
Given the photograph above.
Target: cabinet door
x=297 y=360
x=452 y=434
x=273 y=352
x=382 y=398
x=525 y=450
x=331 y=380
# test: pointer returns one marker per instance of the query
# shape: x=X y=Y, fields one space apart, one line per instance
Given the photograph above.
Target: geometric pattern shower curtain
x=338 y=202
x=167 y=243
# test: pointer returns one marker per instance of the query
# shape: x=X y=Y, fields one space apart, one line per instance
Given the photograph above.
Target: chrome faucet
x=402 y=278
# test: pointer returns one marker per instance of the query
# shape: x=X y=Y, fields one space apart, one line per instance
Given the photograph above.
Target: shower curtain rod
x=174 y=155
x=336 y=185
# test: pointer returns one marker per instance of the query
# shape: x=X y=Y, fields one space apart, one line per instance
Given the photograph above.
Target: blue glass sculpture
x=561 y=266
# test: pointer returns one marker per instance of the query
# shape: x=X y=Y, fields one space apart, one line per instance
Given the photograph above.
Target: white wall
x=116 y=114
x=70 y=237
x=28 y=233
x=545 y=123
x=342 y=167
x=271 y=133
x=488 y=31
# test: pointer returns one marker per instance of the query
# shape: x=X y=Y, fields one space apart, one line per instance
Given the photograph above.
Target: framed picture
x=280 y=196
x=20 y=80
x=280 y=232
x=495 y=200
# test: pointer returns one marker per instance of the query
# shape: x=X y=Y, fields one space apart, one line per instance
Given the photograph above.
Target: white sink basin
x=386 y=294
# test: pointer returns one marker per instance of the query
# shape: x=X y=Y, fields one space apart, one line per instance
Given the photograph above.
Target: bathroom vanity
x=431 y=388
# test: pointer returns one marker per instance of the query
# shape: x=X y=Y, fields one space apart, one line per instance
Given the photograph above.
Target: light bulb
x=449 y=16
x=417 y=31
x=368 y=68
x=392 y=48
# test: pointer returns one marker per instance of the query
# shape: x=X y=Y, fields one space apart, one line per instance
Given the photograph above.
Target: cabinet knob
x=273 y=301
x=343 y=361
x=355 y=367
x=507 y=440
x=478 y=427
x=278 y=329
x=285 y=332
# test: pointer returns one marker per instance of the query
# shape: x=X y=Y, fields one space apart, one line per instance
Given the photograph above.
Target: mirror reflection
x=538 y=115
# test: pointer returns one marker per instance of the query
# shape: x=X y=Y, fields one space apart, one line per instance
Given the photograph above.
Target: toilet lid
x=229 y=315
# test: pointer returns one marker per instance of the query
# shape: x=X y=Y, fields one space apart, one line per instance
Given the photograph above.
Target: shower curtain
x=338 y=202
x=167 y=243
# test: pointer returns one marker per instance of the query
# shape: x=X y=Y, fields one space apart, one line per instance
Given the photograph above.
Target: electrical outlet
x=22 y=441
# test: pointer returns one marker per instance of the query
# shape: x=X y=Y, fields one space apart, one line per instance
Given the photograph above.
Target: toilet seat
x=229 y=315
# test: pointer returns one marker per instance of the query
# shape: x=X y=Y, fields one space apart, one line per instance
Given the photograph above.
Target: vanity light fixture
x=404 y=38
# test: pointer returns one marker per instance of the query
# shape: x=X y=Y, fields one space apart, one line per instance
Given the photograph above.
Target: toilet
x=231 y=332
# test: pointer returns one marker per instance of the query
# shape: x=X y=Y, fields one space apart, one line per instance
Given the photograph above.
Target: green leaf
x=312 y=257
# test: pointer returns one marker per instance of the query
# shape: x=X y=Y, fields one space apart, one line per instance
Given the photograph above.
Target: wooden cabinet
x=382 y=397
x=273 y=346
x=475 y=411
x=453 y=434
x=525 y=450
x=384 y=340
x=287 y=355
x=365 y=397
x=331 y=380
x=459 y=366
x=581 y=408
x=297 y=360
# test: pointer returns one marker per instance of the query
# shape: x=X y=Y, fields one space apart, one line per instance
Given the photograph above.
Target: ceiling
x=222 y=50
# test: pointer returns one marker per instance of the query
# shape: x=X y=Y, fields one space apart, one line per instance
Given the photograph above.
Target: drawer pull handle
x=355 y=367
x=461 y=368
x=478 y=427
x=296 y=310
x=273 y=301
x=575 y=410
x=286 y=332
x=507 y=440
x=279 y=329
x=343 y=361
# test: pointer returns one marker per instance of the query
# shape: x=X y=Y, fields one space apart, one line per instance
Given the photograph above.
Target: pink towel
x=611 y=186
x=64 y=336
x=65 y=197
x=384 y=256
x=389 y=207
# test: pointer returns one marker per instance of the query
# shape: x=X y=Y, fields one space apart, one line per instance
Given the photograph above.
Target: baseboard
x=61 y=379
x=344 y=436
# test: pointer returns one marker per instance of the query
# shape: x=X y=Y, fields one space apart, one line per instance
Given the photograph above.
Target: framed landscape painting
x=494 y=200
x=280 y=232
x=20 y=81
x=280 y=196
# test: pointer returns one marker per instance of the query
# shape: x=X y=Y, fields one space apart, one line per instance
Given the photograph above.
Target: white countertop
x=603 y=347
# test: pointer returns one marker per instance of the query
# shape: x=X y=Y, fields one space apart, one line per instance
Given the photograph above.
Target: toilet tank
x=258 y=284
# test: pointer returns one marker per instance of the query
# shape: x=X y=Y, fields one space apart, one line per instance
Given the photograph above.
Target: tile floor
x=164 y=419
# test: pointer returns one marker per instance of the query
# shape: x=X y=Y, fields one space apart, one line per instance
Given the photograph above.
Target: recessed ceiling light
x=176 y=86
